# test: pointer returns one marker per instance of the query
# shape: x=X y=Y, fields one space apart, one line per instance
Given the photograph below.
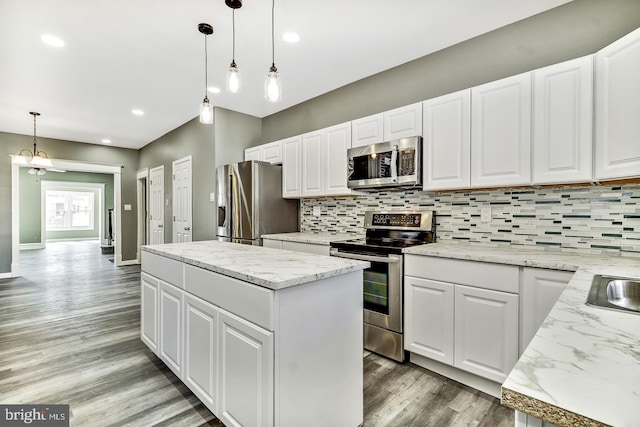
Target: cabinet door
x=149 y=311
x=446 y=145
x=171 y=327
x=367 y=130
x=486 y=332
x=338 y=141
x=429 y=318
x=617 y=105
x=402 y=122
x=501 y=132
x=245 y=372
x=540 y=290
x=253 y=153
x=291 y=168
x=271 y=243
x=272 y=152
x=562 y=122
x=313 y=148
x=201 y=350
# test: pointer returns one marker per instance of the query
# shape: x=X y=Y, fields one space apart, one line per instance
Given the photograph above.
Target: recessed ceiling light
x=106 y=141
x=291 y=37
x=52 y=40
x=213 y=89
x=137 y=112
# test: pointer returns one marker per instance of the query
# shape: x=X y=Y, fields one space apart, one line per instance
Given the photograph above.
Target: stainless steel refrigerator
x=250 y=203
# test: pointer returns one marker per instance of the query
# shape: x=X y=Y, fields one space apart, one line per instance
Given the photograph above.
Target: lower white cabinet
x=149 y=311
x=170 y=340
x=310 y=248
x=245 y=372
x=486 y=332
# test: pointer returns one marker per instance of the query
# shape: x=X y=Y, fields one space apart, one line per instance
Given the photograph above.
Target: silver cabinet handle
x=388 y=260
x=187 y=228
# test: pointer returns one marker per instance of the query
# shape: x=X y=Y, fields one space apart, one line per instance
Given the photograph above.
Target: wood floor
x=70 y=333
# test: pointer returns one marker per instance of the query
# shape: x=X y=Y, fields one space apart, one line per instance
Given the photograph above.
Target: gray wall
x=575 y=29
x=233 y=133
x=12 y=143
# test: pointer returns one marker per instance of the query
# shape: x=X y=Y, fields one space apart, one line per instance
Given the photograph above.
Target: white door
x=149 y=311
x=562 y=122
x=429 y=318
x=201 y=350
x=291 y=168
x=182 y=200
x=446 y=145
x=486 y=332
x=338 y=141
x=501 y=132
x=170 y=340
x=617 y=105
x=402 y=122
x=367 y=130
x=156 y=205
x=245 y=372
x=313 y=148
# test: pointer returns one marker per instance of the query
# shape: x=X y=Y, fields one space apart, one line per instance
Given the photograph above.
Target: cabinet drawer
x=163 y=268
x=498 y=277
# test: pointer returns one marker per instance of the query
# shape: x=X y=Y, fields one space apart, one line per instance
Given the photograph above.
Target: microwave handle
x=394 y=163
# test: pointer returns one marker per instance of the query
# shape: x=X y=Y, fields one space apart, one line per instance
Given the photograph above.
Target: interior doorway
x=142 y=191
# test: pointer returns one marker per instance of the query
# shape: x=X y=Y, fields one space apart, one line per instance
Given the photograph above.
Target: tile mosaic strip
x=594 y=219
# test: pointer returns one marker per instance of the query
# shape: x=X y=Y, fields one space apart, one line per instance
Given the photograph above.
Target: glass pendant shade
x=41 y=161
x=206 y=112
x=41 y=171
x=233 y=78
x=273 y=85
x=32 y=171
x=20 y=160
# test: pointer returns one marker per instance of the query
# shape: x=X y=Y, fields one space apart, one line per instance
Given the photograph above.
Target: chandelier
x=37 y=159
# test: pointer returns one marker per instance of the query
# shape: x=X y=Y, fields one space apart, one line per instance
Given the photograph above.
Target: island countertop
x=270 y=268
x=583 y=365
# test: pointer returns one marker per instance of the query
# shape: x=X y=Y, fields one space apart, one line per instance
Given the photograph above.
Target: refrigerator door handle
x=222 y=216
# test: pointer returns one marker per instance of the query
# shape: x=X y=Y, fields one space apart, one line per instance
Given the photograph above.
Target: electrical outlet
x=316 y=211
x=485 y=214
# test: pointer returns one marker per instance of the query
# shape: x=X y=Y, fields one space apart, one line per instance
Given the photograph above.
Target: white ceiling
x=148 y=54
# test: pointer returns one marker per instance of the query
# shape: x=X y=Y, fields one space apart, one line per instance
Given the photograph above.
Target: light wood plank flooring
x=70 y=333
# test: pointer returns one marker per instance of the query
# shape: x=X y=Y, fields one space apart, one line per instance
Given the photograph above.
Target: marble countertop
x=314 y=238
x=583 y=365
x=270 y=268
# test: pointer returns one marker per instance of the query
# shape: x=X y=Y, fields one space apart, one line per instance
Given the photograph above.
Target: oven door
x=382 y=287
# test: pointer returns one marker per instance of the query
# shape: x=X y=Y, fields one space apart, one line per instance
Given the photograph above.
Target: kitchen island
x=262 y=336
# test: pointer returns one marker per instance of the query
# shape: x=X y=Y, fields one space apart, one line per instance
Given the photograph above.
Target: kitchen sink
x=615 y=293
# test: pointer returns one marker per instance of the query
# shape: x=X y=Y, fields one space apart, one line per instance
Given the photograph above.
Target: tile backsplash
x=594 y=219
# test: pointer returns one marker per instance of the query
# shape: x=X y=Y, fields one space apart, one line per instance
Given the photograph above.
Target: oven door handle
x=388 y=260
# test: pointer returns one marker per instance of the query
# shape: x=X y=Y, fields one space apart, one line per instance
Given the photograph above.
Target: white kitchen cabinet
x=402 y=122
x=149 y=311
x=562 y=143
x=367 y=130
x=270 y=152
x=245 y=367
x=429 y=318
x=292 y=167
x=486 y=332
x=313 y=171
x=338 y=141
x=616 y=109
x=446 y=146
x=201 y=350
x=540 y=290
x=253 y=153
x=309 y=248
x=170 y=339
x=272 y=243
x=501 y=132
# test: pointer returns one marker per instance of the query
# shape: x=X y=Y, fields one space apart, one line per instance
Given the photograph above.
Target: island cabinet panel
x=245 y=368
x=201 y=350
x=149 y=311
x=168 y=270
x=171 y=327
x=306 y=247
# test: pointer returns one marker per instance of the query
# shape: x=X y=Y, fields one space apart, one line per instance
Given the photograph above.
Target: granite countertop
x=314 y=238
x=583 y=365
x=270 y=268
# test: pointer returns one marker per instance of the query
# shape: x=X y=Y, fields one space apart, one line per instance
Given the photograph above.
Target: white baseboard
x=74 y=239
x=129 y=262
x=6 y=275
x=31 y=246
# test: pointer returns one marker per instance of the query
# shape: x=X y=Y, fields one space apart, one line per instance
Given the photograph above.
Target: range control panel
x=399 y=220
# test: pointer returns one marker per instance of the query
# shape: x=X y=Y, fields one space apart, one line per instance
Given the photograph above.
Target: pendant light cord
x=35 y=151
x=233 y=45
x=206 y=62
x=273 y=44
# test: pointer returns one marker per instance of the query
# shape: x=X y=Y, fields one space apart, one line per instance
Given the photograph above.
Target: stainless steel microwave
x=388 y=164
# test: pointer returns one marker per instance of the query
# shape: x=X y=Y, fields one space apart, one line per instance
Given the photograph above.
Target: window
x=69 y=210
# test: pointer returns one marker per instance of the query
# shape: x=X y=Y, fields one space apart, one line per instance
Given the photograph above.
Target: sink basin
x=615 y=293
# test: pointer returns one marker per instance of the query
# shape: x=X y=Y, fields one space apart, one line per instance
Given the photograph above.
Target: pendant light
x=233 y=77
x=39 y=159
x=206 y=109
x=272 y=83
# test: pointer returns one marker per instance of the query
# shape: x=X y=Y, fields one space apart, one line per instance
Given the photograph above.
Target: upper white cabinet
x=292 y=167
x=617 y=105
x=338 y=141
x=562 y=122
x=313 y=171
x=402 y=122
x=271 y=152
x=446 y=145
x=367 y=130
x=501 y=132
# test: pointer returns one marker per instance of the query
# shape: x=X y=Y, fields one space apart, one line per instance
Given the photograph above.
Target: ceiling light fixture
x=291 y=37
x=106 y=141
x=272 y=83
x=52 y=40
x=137 y=112
x=206 y=109
x=233 y=77
x=39 y=159
x=213 y=89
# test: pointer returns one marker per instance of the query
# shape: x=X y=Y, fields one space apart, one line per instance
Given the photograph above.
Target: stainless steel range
x=387 y=233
